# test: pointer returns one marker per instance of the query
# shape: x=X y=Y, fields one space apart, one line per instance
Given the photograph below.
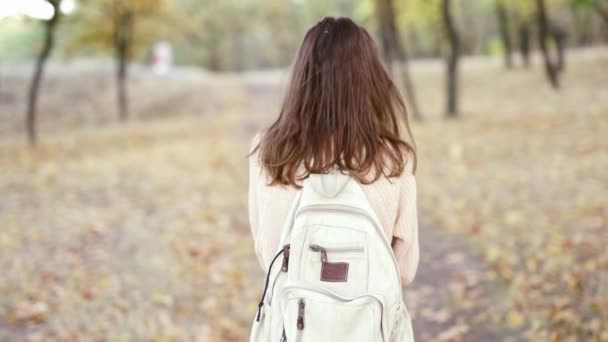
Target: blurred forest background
x=124 y=130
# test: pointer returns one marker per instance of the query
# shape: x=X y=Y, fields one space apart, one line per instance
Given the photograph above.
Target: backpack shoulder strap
x=288 y=225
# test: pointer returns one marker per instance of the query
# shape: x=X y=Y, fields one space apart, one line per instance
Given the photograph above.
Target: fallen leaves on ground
x=530 y=192
x=139 y=232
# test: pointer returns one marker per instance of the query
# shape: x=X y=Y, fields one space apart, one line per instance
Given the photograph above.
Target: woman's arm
x=254 y=180
x=405 y=236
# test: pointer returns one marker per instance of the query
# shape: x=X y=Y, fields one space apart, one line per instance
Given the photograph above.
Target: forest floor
x=138 y=231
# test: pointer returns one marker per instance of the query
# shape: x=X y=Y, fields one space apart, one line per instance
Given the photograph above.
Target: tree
x=559 y=35
x=602 y=10
x=552 y=67
x=124 y=18
x=581 y=24
x=394 y=52
x=524 y=11
x=600 y=7
x=453 y=59
x=218 y=44
x=524 y=42
x=47 y=47
x=118 y=26
x=418 y=20
x=505 y=32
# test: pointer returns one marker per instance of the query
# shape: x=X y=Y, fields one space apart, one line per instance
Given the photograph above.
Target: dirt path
x=449 y=299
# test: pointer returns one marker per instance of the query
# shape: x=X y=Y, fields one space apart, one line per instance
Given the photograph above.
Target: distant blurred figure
x=162 y=58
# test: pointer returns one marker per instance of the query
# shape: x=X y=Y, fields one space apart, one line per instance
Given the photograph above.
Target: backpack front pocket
x=340 y=267
x=320 y=316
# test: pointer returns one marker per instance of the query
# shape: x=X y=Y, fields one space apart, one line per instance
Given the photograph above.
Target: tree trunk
x=581 y=25
x=122 y=45
x=32 y=101
x=394 y=53
x=453 y=59
x=602 y=12
x=505 y=32
x=559 y=37
x=524 y=42
x=386 y=43
x=551 y=68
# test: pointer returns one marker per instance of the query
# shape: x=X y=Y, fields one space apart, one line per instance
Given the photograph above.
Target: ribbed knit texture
x=394 y=202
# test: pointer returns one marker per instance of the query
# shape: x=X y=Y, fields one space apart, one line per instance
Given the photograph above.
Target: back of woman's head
x=341 y=110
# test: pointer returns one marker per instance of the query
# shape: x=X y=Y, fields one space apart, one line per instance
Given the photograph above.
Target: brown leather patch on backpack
x=334 y=272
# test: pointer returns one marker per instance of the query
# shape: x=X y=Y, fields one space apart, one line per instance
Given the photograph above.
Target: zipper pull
x=301 y=314
x=285 y=264
x=317 y=248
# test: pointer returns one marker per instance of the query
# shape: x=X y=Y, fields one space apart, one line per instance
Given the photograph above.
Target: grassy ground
x=139 y=231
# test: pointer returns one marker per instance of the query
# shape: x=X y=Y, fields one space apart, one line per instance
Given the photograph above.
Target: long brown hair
x=341 y=110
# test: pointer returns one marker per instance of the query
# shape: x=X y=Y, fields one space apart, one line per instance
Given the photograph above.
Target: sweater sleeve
x=253 y=200
x=405 y=236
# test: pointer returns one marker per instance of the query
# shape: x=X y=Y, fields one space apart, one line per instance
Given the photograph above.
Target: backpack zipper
x=324 y=250
x=336 y=297
x=344 y=249
x=300 y=321
x=285 y=265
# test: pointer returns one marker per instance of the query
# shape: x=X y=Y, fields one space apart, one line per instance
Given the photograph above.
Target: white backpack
x=335 y=277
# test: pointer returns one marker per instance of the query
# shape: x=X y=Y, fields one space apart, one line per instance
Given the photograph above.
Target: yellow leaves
x=29 y=312
x=455 y=151
x=163 y=300
x=208 y=215
x=514 y=218
x=459 y=204
x=365 y=9
x=496 y=256
x=561 y=302
x=531 y=264
x=438 y=316
x=492 y=253
x=8 y=241
x=93 y=246
x=453 y=333
x=131 y=5
x=566 y=316
x=107 y=284
x=573 y=281
x=528 y=210
x=95 y=25
x=143 y=5
x=514 y=319
x=419 y=14
x=590 y=265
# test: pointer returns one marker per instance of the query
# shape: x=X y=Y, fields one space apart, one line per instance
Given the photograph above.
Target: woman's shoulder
x=407 y=156
x=255 y=141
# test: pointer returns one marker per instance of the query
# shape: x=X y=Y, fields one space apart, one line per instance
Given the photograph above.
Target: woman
x=341 y=110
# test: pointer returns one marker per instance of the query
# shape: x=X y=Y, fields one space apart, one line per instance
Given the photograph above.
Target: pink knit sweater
x=394 y=202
